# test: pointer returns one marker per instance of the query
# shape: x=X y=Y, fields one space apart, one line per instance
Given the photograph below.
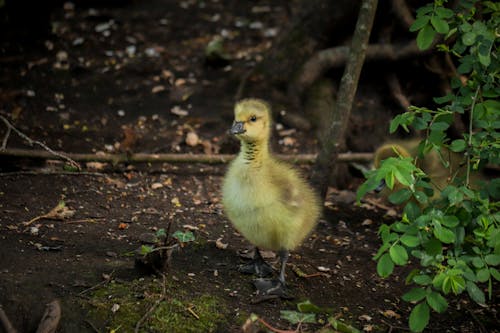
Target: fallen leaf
x=192 y=139
x=367 y=222
x=155 y=186
x=123 y=226
x=115 y=307
x=220 y=245
x=176 y=202
x=178 y=111
x=390 y=314
x=95 y=165
x=59 y=212
x=365 y=317
x=157 y=89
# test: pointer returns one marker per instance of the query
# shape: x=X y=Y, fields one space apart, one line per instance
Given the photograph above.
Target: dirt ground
x=131 y=76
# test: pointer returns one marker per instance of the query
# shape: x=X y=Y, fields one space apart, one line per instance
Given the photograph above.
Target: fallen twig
x=32 y=142
x=87 y=220
x=172 y=158
x=274 y=329
x=107 y=280
x=59 y=212
x=154 y=306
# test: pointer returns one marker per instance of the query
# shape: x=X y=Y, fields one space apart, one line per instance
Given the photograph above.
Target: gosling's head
x=252 y=120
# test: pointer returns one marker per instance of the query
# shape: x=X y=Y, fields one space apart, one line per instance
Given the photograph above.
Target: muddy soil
x=132 y=76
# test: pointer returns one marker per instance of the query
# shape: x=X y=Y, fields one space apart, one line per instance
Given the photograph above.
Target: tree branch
x=170 y=158
x=32 y=142
x=334 y=139
x=335 y=57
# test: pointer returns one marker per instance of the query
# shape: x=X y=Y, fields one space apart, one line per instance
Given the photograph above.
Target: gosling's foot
x=271 y=288
x=257 y=267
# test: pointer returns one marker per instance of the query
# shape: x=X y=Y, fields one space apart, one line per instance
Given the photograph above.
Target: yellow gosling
x=266 y=200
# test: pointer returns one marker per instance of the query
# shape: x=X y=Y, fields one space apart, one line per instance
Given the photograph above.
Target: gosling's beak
x=380 y=186
x=237 y=128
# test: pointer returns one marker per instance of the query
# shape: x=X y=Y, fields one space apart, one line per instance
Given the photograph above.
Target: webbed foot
x=257 y=267
x=271 y=288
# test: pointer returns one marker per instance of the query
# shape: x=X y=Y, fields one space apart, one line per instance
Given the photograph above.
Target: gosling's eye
x=253 y=119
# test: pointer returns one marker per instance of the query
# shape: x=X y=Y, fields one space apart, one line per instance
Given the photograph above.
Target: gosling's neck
x=255 y=152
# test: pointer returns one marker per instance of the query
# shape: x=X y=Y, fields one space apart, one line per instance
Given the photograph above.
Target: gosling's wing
x=290 y=186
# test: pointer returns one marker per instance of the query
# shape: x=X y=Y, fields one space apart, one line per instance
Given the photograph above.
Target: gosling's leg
x=284 y=254
x=275 y=287
x=258 y=266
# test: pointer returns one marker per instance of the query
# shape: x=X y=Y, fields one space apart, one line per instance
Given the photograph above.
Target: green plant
x=455 y=236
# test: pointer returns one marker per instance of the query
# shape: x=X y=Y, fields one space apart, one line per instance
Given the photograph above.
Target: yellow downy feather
x=266 y=200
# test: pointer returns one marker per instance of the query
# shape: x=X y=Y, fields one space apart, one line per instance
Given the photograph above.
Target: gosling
x=265 y=199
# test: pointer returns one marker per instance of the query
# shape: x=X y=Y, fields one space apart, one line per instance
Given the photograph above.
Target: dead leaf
x=59 y=212
x=192 y=139
x=390 y=314
x=365 y=317
x=155 y=186
x=367 y=222
x=95 y=165
x=123 y=226
x=178 y=111
x=220 y=245
x=157 y=89
x=176 y=202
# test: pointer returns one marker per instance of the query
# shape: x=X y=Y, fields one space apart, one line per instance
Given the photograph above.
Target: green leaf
x=494 y=272
x=455 y=282
x=422 y=279
x=483 y=274
x=445 y=235
x=400 y=196
x=146 y=249
x=410 y=241
x=295 y=317
x=419 y=317
x=398 y=255
x=475 y=293
x=450 y=221
x=308 y=307
x=419 y=23
x=433 y=247
x=183 y=237
x=342 y=327
x=477 y=262
x=437 y=302
x=492 y=259
x=425 y=37
x=458 y=145
x=161 y=233
x=444 y=12
x=385 y=266
x=440 y=25
x=469 y=38
x=415 y=295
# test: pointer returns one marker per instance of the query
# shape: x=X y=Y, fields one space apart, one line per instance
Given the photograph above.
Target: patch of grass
x=173 y=315
x=122 y=304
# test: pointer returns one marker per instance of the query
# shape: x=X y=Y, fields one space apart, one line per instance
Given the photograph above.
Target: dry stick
x=32 y=142
x=397 y=92
x=173 y=158
x=7 y=325
x=5 y=139
x=338 y=56
x=335 y=137
x=154 y=306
